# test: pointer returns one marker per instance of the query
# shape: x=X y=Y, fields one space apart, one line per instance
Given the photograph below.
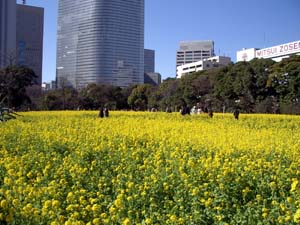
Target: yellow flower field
x=149 y=168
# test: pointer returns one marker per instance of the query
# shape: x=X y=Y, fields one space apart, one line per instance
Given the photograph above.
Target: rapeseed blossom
x=149 y=168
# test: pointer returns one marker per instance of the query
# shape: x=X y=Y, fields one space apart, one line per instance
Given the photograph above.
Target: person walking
x=106 y=112
x=236 y=114
x=101 y=113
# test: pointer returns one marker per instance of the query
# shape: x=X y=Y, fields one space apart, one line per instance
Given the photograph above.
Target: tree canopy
x=259 y=86
x=13 y=83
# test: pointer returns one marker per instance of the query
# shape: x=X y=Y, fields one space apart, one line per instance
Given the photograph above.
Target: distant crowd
x=184 y=110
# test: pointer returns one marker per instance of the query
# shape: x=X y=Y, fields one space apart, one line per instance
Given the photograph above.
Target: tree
x=285 y=80
x=13 y=83
x=245 y=82
x=95 y=96
x=261 y=69
x=166 y=94
x=139 y=97
x=223 y=88
x=61 y=99
x=52 y=101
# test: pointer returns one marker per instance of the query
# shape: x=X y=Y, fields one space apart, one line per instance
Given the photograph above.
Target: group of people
x=185 y=110
x=103 y=112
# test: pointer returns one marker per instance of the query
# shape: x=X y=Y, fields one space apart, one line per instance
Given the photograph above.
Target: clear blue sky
x=231 y=24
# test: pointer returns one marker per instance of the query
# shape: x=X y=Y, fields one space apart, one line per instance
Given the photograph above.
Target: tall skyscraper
x=193 y=51
x=100 y=41
x=7 y=32
x=21 y=36
x=30 y=30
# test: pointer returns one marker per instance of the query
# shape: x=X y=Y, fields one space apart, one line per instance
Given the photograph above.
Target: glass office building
x=149 y=61
x=8 y=53
x=100 y=41
x=30 y=33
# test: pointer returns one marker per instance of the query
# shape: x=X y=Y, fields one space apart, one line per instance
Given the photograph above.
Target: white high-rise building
x=205 y=64
x=193 y=51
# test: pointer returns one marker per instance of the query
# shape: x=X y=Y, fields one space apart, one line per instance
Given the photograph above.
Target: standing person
x=236 y=114
x=183 y=110
x=106 y=112
x=101 y=113
x=184 y=107
x=210 y=113
x=168 y=109
x=187 y=110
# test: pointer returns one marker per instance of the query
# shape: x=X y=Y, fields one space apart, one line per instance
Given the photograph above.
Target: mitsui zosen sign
x=279 y=50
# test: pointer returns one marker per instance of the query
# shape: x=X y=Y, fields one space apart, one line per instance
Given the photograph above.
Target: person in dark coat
x=101 y=113
x=236 y=114
x=210 y=113
x=183 y=110
x=106 y=112
x=187 y=110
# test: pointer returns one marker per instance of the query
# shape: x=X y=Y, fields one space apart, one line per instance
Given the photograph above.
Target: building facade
x=29 y=43
x=149 y=61
x=8 y=52
x=193 y=51
x=205 y=64
x=21 y=36
x=276 y=53
x=46 y=86
x=100 y=41
x=152 y=78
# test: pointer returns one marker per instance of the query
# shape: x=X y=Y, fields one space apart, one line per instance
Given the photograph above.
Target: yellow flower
x=272 y=185
x=96 y=221
x=3 y=204
x=289 y=200
x=173 y=218
x=294 y=184
x=15 y=202
x=148 y=221
x=287 y=218
x=112 y=210
x=265 y=215
x=246 y=191
x=103 y=215
x=55 y=203
x=126 y=222
x=96 y=208
x=297 y=216
x=118 y=203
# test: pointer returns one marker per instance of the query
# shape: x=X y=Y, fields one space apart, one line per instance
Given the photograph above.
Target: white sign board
x=279 y=50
